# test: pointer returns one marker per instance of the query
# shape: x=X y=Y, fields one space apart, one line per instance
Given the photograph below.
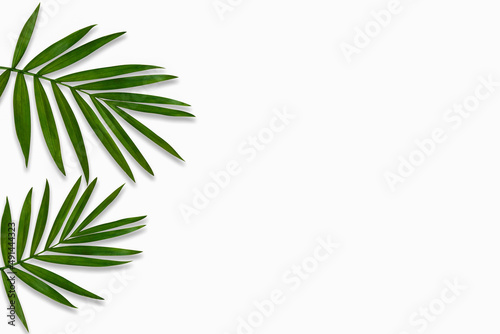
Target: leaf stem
x=42 y=77
x=31 y=257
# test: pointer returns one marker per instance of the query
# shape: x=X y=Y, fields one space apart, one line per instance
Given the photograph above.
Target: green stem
x=41 y=77
x=30 y=258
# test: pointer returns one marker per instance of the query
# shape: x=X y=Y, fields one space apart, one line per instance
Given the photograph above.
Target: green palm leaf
x=13 y=299
x=77 y=211
x=42 y=280
x=48 y=124
x=4 y=233
x=97 y=211
x=110 y=226
x=58 y=48
x=106 y=72
x=151 y=109
x=41 y=221
x=145 y=131
x=122 y=83
x=95 y=251
x=102 y=134
x=73 y=129
x=122 y=135
x=63 y=213
x=78 y=54
x=99 y=86
x=24 y=226
x=4 y=80
x=139 y=98
x=22 y=115
x=80 y=261
x=25 y=37
x=42 y=287
x=59 y=281
x=101 y=236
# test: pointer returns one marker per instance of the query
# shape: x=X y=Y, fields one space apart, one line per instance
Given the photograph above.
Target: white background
x=323 y=175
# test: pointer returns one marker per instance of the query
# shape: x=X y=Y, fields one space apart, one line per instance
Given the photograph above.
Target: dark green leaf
x=101 y=236
x=73 y=129
x=48 y=124
x=125 y=82
x=110 y=226
x=63 y=213
x=22 y=115
x=95 y=251
x=78 y=54
x=59 y=281
x=79 y=261
x=97 y=211
x=25 y=37
x=122 y=135
x=4 y=80
x=77 y=211
x=106 y=72
x=24 y=226
x=57 y=48
x=152 y=109
x=41 y=221
x=4 y=233
x=139 y=98
x=14 y=300
x=103 y=134
x=42 y=287
x=146 y=131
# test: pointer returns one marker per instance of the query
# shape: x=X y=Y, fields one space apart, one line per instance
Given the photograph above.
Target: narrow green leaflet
x=101 y=236
x=122 y=135
x=22 y=115
x=4 y=80
x=151 y=109
x=139 y=98
x=14 y=300
x=73 y=129
x=77 y=211
x=63 y=213
x=106 y=72
x=125 y=82
x=103 y=134
x=25 y=37
x=146 y=131
x=59 y=281
x=110 y=226
x=79 y=261
x=95 y=251
x=97 y=211
x=57 y=48
x=42 y=287
x=48 y=124
x=24 y=226
x=4 y=233
x=41 y=221
x=78 y=54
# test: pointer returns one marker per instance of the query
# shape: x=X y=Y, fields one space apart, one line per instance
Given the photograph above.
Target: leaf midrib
x=43 y=78
x=33 y=256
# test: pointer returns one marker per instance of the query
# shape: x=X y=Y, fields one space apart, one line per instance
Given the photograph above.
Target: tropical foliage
x=69 y=241
x=98 y=93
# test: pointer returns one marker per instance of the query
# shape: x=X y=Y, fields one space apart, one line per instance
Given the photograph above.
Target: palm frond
x=75 y=247
x=99 y=86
